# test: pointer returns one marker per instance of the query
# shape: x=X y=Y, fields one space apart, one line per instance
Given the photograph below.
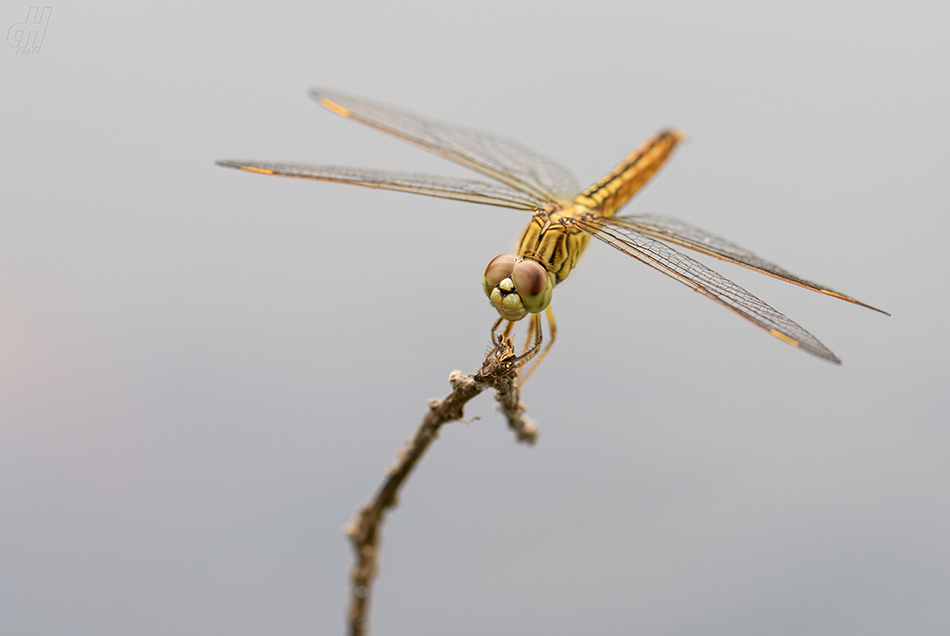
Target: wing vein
x=501 y=159
x=706 y=281
x=496 y=194
x=695 y=238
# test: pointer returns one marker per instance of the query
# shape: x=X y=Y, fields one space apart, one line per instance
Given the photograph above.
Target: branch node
x=456 y=377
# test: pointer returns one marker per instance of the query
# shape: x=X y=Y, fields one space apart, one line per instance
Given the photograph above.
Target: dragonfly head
x=517 y=287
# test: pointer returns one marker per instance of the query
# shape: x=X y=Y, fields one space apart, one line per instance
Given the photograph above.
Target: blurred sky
x=203 y=373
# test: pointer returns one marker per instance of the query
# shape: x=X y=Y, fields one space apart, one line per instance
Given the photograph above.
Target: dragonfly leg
x=498 y=341
x=534 y=328
x=502 y=343
x=553 y=328
x=494 y=328
x=534 y=333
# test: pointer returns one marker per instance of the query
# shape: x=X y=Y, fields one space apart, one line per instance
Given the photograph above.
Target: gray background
x=203 y=373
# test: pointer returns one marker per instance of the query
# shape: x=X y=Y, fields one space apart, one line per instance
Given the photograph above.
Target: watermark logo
x=27 y=36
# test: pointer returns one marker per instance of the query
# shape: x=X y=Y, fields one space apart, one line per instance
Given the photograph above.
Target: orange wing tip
x=782 y=336
x=830 y=357
x=260 y=170
x=333 y=106
x=828 y=292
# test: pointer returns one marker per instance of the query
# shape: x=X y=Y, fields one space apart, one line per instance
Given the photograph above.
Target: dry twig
x=499 y=371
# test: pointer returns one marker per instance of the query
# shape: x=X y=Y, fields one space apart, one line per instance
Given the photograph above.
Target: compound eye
x=529 y=278
x=499 y=269
x=533 y=285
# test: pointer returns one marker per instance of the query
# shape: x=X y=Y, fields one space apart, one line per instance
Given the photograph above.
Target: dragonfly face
x=564 y=218
x=517 y=286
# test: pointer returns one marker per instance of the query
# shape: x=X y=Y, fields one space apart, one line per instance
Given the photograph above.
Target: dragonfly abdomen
x=610 y=194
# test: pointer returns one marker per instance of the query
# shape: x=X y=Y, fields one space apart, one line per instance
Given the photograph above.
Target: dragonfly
x=564 y=218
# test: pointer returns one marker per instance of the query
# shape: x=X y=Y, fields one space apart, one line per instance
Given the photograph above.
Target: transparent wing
x=705 y=281
x=682 y=233
x=501 y=159
x=434 y=186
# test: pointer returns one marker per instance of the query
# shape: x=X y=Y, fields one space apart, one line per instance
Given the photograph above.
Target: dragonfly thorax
x=517 y=286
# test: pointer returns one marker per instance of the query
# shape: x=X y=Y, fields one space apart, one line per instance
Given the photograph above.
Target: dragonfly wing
x=705 y=281
x=687 y=235
x=501 y=159
x=471 y=190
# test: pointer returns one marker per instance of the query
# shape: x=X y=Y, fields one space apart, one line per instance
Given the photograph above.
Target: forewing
x=501 y=159
x=687 y=235
x=434 y=186
x=707 y=282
